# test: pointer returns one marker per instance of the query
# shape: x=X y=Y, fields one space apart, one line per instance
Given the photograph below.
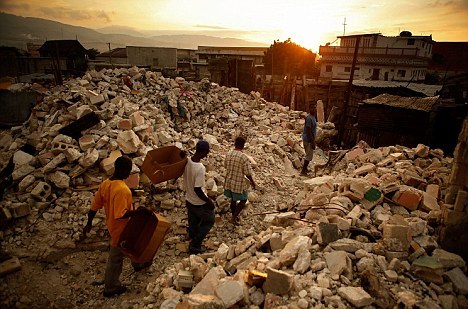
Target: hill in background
x=16 y=31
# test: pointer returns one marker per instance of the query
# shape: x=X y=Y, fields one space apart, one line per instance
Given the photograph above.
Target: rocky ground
x=361 y=232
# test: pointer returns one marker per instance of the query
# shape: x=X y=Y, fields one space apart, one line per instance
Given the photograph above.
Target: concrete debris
x=361 y=232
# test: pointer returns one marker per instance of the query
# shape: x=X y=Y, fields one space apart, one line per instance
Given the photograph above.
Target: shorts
x=309 y=151
x=236 y=196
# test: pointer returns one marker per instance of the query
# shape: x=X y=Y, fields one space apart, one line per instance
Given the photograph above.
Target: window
x=328 y=68
x=401 y=73
x=410 y=42
x=347 y=69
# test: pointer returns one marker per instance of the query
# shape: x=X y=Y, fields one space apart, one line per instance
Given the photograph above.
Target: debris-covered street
x=360 y=230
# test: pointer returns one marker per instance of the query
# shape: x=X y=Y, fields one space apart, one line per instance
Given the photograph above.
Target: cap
x=202 y=145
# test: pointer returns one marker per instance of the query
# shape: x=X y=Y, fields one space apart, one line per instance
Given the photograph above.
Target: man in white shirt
x=200 y=207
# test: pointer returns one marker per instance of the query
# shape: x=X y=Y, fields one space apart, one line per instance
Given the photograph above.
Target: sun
x=308 y=29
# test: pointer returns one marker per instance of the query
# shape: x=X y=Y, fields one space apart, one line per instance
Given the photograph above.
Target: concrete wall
x=15 y=107
x=154 y=57
x=454 y=231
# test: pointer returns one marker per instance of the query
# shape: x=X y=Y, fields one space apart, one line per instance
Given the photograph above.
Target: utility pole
x=344 y=116
x=344 y=26
x=110 y=55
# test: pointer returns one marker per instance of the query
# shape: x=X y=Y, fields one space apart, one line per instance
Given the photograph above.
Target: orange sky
x=309 y=23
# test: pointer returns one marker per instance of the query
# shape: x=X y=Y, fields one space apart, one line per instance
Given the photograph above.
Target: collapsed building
x=360 y=231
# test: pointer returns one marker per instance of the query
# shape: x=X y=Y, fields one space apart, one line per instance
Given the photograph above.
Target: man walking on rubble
x=238 y=167
x=116 y=198
x=308 y=136
x=200 y=207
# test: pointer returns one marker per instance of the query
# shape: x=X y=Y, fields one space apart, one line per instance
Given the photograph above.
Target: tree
x=92 y=52
x=287 y=57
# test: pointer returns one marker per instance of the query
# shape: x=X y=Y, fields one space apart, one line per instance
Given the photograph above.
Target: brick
x=338 y=262
x=72 y=154
x=41 y=191
x=59 y=147
x=209 y=282
x=128 y=141
x=459 y=280
x=428 y=203
x=327 y=233
x=408 y=199
x=230 y=292
x=422 y=150
x=387 y=162
x=433 y=190
x=137 y=119
x=345 y=189
x=366 y=168
x=20 y=210
x=20 y=158
x=96 y=99
x=353 y=154
x=86 y=142
x=278 y=282
x=125 y=124
x=9 y=266
x=400 y=232
x=107 y=165
x=412 y=179
x=401 y=255
x=5 y=214
x=185 y=279
x=356 y=296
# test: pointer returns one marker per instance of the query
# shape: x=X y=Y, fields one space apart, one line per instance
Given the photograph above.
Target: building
x=156 y=58
x=401 y=58
x=116 y=56
x=256 y=54
x=69 y=52
x=394 y=120
x=231 y=66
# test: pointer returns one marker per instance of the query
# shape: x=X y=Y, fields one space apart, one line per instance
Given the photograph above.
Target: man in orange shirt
x=116 y=199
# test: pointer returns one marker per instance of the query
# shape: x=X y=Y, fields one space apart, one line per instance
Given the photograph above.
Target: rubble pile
x=157 y=112
x=359 y=231
x=362 y=235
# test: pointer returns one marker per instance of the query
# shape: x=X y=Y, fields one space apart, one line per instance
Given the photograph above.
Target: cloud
x=13 y=6
x=453 y=4
x=211 y=27
x=62 y=13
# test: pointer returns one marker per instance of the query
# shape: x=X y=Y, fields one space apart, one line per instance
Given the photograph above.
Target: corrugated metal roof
x=422 y=104
x=428 y=90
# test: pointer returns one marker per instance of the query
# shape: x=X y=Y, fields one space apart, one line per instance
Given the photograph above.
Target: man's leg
x=207 y=219
x=193 y=220
x=308 y=157
x=304 y=167
x=233 y=206
x=113 y=270
x=239 y=208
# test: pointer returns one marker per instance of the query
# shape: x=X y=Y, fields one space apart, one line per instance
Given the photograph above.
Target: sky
x=309 y=23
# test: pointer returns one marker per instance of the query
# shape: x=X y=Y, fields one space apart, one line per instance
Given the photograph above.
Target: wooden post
x=292 y=105
x=344 y=116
